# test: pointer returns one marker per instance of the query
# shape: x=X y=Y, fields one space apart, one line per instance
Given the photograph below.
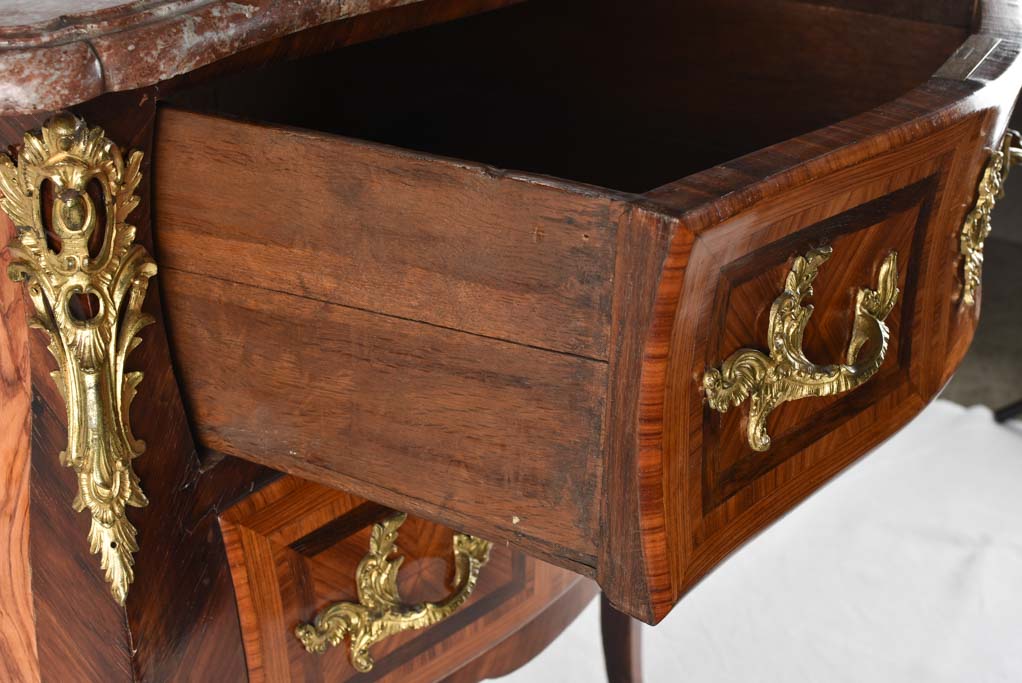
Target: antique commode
x=299 y=383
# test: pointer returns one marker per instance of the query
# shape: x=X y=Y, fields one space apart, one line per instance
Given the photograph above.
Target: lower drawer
x=296 y=548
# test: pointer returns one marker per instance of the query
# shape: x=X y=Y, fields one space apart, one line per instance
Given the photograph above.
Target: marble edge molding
x=69 y=59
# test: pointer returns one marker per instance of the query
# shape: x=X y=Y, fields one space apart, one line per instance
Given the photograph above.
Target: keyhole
x=83 y=306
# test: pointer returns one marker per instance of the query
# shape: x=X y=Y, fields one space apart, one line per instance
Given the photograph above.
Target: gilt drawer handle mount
x=87 y=279
x=977 y=223
x=380 y=612
x=786 y=374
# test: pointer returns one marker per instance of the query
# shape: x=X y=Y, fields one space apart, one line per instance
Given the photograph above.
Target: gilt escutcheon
x=87 y=279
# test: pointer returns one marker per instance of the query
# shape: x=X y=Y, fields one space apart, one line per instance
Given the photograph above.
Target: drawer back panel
x=426 y=333
x=414 y=237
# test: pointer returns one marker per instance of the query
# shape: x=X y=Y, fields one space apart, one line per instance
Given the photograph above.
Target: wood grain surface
x=505 y=353
x=19 y=658
x=429 y=420
x=18 y=655
x=530 y=640
x=338 y=221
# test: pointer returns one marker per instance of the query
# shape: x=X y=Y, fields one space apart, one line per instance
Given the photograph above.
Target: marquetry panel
x=294 y=547
x=910 y=201
x=860 y=237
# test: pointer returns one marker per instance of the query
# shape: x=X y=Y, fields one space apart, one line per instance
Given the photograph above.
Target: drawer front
x=295 y=549
x=862 y=219
x=779 y=374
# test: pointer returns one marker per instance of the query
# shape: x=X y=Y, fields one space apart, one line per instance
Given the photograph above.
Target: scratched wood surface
x=498 y=439
x=347 y=223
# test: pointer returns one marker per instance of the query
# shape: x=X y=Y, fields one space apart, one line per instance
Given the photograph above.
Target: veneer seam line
x=392 y=316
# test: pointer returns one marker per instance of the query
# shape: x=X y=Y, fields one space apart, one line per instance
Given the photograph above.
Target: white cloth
x=907 y=568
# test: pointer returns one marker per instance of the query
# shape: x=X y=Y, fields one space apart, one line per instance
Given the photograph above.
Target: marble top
x=57 y=53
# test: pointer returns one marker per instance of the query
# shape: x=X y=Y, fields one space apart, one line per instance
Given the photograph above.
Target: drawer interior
x=625 y=96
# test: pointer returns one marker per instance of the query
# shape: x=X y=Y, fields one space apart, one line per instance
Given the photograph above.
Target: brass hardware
x=786 y=374
x=977 y=223
x=89 y=305
x=379 y=612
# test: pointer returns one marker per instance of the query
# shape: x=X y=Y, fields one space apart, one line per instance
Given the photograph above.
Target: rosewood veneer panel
x=718 y=491
x=18 y=655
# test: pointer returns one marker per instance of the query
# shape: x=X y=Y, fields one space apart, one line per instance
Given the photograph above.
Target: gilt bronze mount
x=380 y=612
x=786 y=374
x=87 y=280
x=977 y=225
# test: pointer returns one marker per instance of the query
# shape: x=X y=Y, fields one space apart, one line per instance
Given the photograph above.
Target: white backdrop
x=907 y=568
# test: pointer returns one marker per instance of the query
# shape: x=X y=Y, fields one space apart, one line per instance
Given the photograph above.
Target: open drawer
x=530 y=355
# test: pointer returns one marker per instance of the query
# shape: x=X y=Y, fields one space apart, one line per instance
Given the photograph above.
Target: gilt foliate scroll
x=976 y=227
x=69 y=196
x=380 y=611
x=785 y=373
